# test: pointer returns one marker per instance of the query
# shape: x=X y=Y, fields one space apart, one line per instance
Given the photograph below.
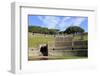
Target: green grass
x=78 y=37
x=35 y=41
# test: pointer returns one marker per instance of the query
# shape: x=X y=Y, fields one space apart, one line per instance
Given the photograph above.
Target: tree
x=42 y=30
x=74 y=30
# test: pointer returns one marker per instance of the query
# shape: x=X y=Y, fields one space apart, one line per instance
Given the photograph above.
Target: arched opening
x=44 y=50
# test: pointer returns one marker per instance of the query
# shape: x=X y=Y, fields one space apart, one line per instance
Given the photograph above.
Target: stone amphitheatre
x=59 y=47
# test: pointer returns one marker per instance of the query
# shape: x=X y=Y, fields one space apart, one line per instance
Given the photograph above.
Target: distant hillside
x=43 y=30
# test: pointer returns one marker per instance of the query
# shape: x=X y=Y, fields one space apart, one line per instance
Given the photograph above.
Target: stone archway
x=44 y=50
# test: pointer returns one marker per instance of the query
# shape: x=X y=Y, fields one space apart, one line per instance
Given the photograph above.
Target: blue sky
x=58 y=22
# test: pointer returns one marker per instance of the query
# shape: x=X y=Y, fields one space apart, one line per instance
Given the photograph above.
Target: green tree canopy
x=74 y=30
x=42 y=30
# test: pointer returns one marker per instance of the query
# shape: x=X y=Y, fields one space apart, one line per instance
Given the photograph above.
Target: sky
x=58 y=22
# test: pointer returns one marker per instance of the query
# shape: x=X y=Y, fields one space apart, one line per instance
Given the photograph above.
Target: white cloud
x=50 y=21
x=53 y=22
x=40 y=17
x=71 y=21
x=78 y=21
x=64 y=23
x=65 y=19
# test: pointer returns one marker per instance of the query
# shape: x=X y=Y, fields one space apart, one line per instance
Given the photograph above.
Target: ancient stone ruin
x=62 y=46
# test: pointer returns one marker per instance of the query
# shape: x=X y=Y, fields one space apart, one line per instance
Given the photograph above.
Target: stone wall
x=62 y=46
